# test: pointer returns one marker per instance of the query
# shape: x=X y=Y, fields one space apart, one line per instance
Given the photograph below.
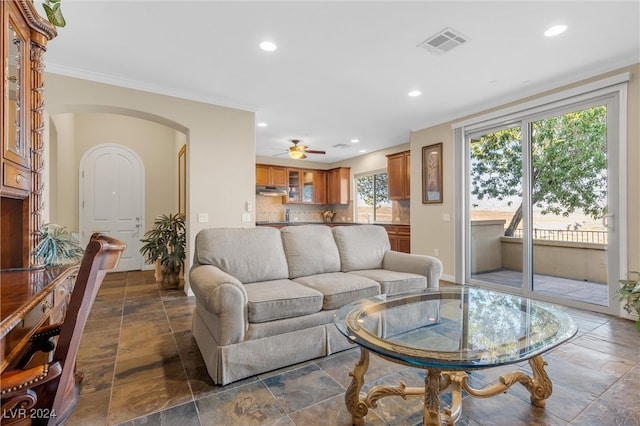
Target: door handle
x=608 y=221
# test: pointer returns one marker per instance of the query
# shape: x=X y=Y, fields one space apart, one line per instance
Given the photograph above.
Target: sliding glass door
x=495 y=205
x=540 y=217
x=569 y=179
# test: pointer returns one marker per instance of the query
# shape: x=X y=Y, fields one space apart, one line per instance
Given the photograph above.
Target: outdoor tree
x=568 y=170
x=373 y=194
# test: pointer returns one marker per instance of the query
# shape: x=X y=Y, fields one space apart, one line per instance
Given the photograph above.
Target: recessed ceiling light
x=414 y=93
x=269 y=46
x=555 y=30
x=363 y=150
x=355 y=140
x=262 y=124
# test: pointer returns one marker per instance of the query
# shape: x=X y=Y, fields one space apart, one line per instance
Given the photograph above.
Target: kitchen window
x=372 y=203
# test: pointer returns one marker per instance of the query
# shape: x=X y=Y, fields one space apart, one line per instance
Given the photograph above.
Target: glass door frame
x=611 y=91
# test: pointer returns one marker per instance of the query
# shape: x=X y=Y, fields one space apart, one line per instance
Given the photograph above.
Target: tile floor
x=583 y=291
x=142 y=367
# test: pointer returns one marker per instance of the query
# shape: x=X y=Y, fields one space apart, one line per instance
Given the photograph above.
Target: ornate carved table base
x=436 y=380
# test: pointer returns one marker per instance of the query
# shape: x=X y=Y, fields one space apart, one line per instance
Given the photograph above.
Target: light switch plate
x=203 y=217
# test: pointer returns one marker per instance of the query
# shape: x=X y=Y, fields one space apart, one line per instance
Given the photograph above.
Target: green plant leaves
x=54 y=13
x=630 y=294
x=166 y=242
x=57 y=246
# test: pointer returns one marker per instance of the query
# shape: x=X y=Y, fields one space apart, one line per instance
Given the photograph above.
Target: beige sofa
x=266 y=297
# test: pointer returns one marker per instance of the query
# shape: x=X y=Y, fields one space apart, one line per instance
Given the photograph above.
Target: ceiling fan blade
x=311 y=151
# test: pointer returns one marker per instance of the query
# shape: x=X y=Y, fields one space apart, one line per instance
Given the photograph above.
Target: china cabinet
x=24 y=39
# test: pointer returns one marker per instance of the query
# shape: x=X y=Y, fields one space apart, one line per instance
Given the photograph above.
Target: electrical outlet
x=436 y=252
x=446 y=217
x=246 y=217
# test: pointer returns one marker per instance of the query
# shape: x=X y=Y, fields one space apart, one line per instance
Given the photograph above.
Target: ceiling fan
x=298 y=151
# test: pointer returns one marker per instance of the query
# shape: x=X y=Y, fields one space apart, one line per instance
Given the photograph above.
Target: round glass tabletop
x=455 y=328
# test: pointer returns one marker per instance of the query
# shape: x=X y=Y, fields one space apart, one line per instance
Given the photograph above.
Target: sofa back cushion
x=310 y=250
x=248 y=254
x=361 y=246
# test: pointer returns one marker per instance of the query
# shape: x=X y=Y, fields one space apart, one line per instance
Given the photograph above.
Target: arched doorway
x=111 y=198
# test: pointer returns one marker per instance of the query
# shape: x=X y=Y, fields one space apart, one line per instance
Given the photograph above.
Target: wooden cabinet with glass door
x=293 y=186
x=306 y=186
x=24 y=38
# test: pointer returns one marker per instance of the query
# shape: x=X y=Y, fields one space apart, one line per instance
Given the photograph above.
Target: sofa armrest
x=223 y=295
x=428 y=266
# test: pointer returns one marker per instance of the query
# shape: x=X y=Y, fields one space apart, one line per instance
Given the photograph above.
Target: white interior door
x=112 y=199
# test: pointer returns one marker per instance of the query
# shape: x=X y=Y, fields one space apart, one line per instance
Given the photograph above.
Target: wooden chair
x=47 y=394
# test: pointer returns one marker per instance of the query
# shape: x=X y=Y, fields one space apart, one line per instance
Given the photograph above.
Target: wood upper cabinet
x=320 y=187
x=399 y=175
x=24 y=39
x=306 y=186
x=270 y=175
x=338 y=185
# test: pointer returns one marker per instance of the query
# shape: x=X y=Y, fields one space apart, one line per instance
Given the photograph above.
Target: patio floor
x=584 y=291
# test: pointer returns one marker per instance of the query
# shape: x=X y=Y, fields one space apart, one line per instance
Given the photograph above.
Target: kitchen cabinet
x=399 y=237
x=338 y=185
x=24 y=39
x=320 y=187
x=271 y=175
x=399 y=175
x=306 y=186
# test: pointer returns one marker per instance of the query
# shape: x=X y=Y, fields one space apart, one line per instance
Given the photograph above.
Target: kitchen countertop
x=299 y=222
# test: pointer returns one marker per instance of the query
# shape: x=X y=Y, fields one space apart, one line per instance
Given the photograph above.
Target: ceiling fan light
x=296 y=155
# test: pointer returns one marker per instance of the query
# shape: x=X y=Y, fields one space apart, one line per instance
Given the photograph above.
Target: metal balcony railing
x=596 y=237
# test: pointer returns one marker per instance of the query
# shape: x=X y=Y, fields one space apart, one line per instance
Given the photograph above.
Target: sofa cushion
x=339 y=288
x=248 y=254
x=272 y=300
x=310 y=250
x=361 y=247
x=394 y=282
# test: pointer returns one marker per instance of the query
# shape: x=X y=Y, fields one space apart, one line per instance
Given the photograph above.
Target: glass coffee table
x=448 y=332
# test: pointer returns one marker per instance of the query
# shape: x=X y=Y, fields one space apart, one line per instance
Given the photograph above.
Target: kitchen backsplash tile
x=271 y=209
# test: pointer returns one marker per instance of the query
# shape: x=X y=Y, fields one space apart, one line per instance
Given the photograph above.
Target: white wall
x=429 y=231
x=220 y=144
x=152 y=142
x=221 y=159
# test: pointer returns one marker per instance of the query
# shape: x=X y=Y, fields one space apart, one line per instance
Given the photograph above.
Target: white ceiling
x=342 y=70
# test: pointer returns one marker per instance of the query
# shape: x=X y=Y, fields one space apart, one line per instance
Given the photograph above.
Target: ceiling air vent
x=444 y=41
x=340 y=145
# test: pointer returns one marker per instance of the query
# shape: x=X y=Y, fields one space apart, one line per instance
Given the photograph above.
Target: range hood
x=271 y=191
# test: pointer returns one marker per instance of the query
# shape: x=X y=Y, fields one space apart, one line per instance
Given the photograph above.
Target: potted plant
x=630 y=294
x=57 y=246
x=166 y=243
